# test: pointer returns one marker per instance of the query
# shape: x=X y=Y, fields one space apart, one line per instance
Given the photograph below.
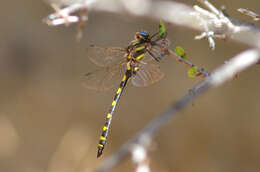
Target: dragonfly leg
x=156 y=58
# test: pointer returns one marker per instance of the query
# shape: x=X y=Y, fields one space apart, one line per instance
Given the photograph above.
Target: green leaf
x=162 y=28
x=192 y=72
x=180 y=52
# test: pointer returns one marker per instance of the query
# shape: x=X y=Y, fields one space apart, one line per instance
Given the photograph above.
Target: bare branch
x=222 y=74
x=208 y=21
x=139 y=157
x=255 y=16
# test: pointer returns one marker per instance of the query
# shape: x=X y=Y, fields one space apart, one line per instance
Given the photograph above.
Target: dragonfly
x=132 y=62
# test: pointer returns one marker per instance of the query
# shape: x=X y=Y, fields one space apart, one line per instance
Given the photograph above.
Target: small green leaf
x=180 y=52
x=192 y=72
x=162 y=28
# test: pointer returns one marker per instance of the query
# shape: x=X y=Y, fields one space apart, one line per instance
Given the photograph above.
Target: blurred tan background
x=50 y=123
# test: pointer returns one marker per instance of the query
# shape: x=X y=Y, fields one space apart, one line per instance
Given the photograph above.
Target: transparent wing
x=156 y=50
x=147 y=75
x=106 y=78
x=105 y=56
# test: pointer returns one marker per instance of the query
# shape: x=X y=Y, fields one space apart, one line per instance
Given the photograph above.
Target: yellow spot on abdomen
x=113 y=103
x=104 y=128
x=124 y=78
x=100 y=145
x=102 y=138
x=119 y=90
x=109 y=115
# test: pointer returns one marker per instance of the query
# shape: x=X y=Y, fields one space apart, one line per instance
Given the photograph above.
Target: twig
x=217 y=23
x=187 y=63
x=139 y=157
x=255 y=16
x=222 y=74
x=167 y=51
x=212 y=21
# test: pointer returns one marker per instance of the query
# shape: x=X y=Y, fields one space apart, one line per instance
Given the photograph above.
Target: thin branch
x=222 y=74
x=209 y=21
x=178 y=58
x=200 y=71
x=255 y=16
x=139 y=157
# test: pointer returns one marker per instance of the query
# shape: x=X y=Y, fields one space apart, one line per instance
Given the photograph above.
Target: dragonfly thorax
x=136 y=52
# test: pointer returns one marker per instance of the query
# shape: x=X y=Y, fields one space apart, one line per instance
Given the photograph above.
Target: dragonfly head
x=142 y=36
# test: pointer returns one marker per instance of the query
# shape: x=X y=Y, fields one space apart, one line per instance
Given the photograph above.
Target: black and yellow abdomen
x=103 y=137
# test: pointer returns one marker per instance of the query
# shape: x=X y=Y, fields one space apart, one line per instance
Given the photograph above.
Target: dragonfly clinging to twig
x=134 y=61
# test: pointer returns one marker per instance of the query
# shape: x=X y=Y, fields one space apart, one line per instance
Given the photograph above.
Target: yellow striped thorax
x=139 y=52
x=137 y=47
x=141 y=47
x=135 y=42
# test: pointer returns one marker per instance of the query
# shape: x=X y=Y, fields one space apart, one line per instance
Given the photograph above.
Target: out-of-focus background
x=49 y=122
